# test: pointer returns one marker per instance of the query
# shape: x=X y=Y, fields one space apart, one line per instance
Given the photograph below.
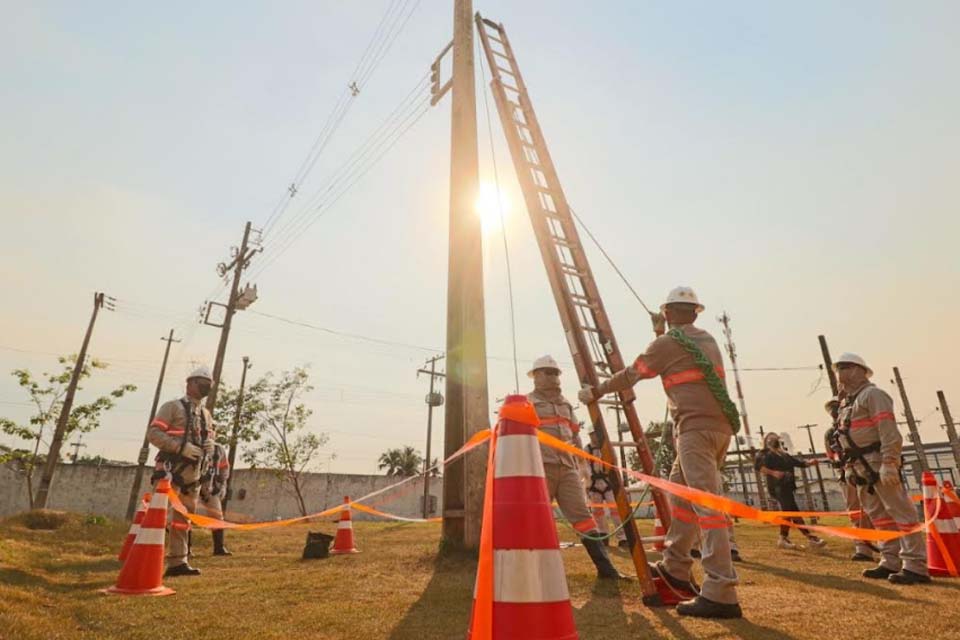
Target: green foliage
x=403 y=462
x=225 y=411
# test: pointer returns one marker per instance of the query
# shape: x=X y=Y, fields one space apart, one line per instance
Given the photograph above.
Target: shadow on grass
x=100 y=565
x=443 y=609
x=18 y=578
x=838 y=583
x=603 y=615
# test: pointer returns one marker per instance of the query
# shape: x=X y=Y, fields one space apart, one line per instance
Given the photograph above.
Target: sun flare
x=489 y=210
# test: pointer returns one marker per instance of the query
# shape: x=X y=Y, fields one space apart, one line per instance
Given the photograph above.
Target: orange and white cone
x=940 y=538
x=952 y=511
x=142 y=573
x=659 y=534
x=529 y=596
x=134 y=528
x=343 y=543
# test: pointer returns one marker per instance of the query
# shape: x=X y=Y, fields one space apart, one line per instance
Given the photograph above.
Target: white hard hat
x=543 y=362
x=202 y=371
x=852 y=358
x=684 y=295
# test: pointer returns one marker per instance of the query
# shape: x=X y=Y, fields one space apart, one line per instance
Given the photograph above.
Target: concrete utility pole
x=467 y=405
x=911 y=422
x=76 y=447
x=813 y=450
x=145 y=447
x=232 y=455
x=53 y=455
x=951 y=429
x=237 y=300
x=433 y=399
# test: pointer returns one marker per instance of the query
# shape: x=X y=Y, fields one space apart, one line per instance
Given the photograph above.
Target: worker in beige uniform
x=183 y=432
x=872 y=444
x=600 y=493
x=213 y=490
x=689 y=363
x=863 y=551
x=560 y=469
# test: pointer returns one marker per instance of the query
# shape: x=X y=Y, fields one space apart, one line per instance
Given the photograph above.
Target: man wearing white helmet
x=183 y=432
x=688 y=361
x=560 y=468
x=871 y=444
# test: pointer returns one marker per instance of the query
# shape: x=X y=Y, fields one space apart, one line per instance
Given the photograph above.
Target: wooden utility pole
x=828 y=364
x=76 y=447
x=951 y=428
x=911 y=422
x=240 y=262
x=813 y=450
x=433 y=399
x=53 y=456
x=467 y=406
x=232 y=455
x=145 y=447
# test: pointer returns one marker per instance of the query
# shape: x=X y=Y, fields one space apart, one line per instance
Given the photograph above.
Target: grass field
x=396 y=588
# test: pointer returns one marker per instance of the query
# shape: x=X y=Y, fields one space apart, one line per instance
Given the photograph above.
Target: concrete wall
x=106 y=489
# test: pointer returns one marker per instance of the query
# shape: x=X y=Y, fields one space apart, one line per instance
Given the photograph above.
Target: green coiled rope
x=714 y=382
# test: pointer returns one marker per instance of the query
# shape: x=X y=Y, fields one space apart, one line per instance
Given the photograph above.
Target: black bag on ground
x=317 y=546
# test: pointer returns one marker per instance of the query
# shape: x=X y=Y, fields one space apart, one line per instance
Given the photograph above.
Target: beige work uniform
x=866 y=418
x=703 y=435
x=860 y=519
x=560 y=468
x=600 y=494
x=166 y=433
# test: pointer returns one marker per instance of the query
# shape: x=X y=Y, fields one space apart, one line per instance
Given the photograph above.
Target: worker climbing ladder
x=587 y=327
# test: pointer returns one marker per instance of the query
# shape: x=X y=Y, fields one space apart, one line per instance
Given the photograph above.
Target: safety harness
x=850 y=452
x=599 y=482
x=714 y=382
x=174 y=464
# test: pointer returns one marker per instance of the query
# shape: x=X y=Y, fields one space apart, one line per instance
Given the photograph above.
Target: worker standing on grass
x=559 y=467
x=213 y=489
x=689 y=362
x=862 y=550
x=871 y=445
x=600 y=493
x=778 y=465
x=183 y=432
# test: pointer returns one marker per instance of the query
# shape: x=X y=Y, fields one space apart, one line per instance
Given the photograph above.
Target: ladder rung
x=497 y=40
x=521 y=123
x=502 y=54
x=571 y=271
x=563 y=242
x=501 y=69
x=491 y=23
x=509 y=87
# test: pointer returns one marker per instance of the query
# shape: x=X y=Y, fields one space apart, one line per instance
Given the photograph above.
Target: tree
x=225 y=411
x=46 y=394
x=284 y=446
x=404 y=462
x=660 y=440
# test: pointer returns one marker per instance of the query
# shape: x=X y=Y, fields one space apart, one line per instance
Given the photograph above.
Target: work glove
x=659 y=323
x=889 y=474
x=208 y=447
x=191 y=451
x=587 y=395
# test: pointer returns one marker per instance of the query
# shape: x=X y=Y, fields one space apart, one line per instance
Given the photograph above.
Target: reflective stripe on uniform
x=684 y=515
x=872 y=421
x=517 y=456
x=160 y=424
x=150 y=536
x=182 y=526
x=586 y=525
x=529 y=575
x=643 y=370
x=175 y=432
x=552 y=420
x=688 y=376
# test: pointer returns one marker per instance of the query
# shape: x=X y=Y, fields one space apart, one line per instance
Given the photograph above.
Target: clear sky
x=796 y=164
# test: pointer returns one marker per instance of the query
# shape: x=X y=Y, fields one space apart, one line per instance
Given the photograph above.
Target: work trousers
x=699 y=457
x=890 y=509
x=565 y=487
x=212 y=507
x=601 y=512
x=788 y=502
x=860 y=520
x=177 y=544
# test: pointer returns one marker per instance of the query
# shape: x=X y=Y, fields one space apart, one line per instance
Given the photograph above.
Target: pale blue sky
x=793 y=164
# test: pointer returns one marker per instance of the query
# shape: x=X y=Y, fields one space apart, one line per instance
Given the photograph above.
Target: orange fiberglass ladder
x=590 y=337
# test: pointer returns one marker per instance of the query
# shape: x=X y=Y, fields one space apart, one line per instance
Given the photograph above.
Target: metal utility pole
x=951 y=429
x=76 y=447
x=828 y=363
x=911 y=422
x=813 y=450
x=145 y=447
x=237 y=300
x=467 y=406
x=232 y=455
x=53 y=455
x=433 y=399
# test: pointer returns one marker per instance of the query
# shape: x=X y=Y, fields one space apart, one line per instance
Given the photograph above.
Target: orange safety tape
x=951 y=495
x=732 y=507
x=374 y=512
x=613 y=505
x=481 y=627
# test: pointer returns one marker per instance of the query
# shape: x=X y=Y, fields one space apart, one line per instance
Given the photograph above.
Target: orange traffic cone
x=142 y=573
x=940 y=555
x=950 y=510
x=134 y=527
x=530 y=597
x=659 y=534
x=343 y=543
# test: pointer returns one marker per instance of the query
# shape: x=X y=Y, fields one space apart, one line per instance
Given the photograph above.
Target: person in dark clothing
x=778 y=465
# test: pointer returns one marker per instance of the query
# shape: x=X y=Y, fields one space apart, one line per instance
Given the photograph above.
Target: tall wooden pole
x=53 y=456
x=467 y=409
x=951 y=428
x=911 y=422
x=232 y=455
x=145 y=448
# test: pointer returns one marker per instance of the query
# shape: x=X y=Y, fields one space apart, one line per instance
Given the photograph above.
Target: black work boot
x=218 y=548
x=862 y=557
x=598 y=553
x=701 y=607
x=878 y=573
x=908 y=577
x=181 y=570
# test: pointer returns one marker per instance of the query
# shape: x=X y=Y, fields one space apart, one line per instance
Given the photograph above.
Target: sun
x=487 y=207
